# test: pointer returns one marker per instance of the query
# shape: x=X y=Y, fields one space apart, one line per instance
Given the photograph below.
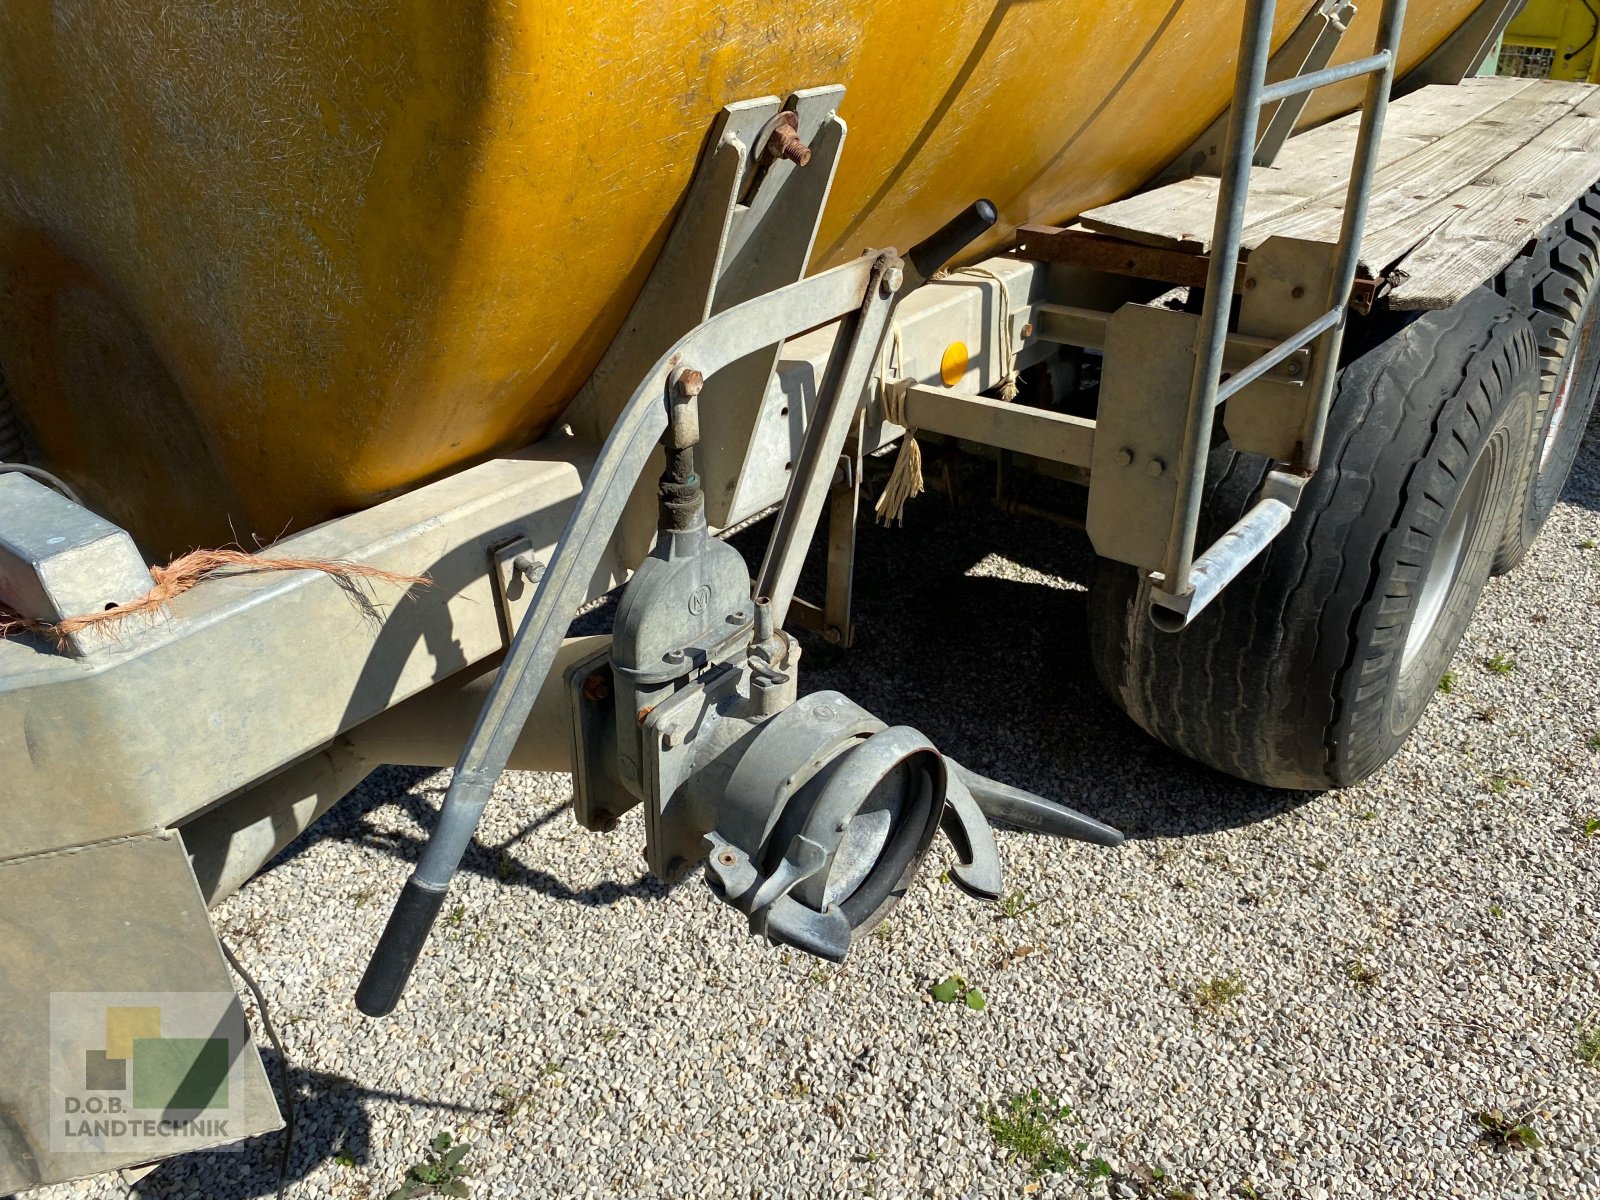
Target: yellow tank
x=266 y=261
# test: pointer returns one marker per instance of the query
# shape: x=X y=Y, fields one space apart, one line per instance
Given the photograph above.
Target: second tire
x=1313 y=666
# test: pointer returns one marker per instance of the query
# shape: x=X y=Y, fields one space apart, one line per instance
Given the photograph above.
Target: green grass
x=1589 y=1045
x=1447 y=682
x=1016 y=904
x=1589 y=826
x=1360 y=973
x=1025 y=1128
x=1500 y=664
x=1214 y=995
x=1504 y=1131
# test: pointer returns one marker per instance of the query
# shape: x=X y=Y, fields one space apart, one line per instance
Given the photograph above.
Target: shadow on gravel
x=352 y=821
x=331 y=1122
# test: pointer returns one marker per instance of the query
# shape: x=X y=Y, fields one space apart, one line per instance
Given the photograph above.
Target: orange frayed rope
x=181 y=574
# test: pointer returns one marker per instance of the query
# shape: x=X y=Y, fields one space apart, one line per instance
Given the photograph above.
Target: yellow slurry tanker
x=347 y=351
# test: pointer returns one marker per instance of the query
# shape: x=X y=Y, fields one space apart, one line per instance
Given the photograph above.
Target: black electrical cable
x=43 y=477
x=1594 y=28
x=283 y=1066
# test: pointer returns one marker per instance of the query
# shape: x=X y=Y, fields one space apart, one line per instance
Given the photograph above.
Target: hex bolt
x=1027 y=330
x=1125 y=457
x=528 y=567
x=689 y=383
x=595 y=688
x=1154 y=468
x=892 y=281
x=784 y=141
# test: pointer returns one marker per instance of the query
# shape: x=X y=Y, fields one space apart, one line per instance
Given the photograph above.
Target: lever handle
x=933 y=251
x=398 y=949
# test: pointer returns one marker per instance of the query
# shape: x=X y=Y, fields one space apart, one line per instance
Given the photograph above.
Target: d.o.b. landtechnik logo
x=143 y=1070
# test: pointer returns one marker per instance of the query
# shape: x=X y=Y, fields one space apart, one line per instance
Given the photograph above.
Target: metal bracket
x=1144 y=398
x=1309 y=48
x=1460 y=54
x=729 y=243
x=598 y=797
x=1286 y=287
x=1058 y=437
x=516 y=576
x=60 y=560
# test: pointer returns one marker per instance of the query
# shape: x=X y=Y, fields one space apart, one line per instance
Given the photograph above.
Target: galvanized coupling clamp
x=824 y=823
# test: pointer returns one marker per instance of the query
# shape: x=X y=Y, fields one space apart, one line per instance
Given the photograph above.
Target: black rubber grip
x=966 y=227
x=398 y=949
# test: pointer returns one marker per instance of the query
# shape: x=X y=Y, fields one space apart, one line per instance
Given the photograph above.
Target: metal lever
x=1007 y=805
x=932 y=252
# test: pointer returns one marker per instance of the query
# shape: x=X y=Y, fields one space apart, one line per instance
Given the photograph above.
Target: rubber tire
x=1555 y=284
x=1292 y=677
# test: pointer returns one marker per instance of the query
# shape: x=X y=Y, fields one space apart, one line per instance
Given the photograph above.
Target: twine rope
x=905 y=479
x=181 y=574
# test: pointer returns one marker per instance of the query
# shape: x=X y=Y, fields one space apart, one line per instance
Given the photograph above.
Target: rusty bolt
x=1027 y=330
x=689 y=383
x=643 y=713
x=595 y=688
x=784 y=141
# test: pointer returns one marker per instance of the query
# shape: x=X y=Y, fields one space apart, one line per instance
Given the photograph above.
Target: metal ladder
x=1186 y=584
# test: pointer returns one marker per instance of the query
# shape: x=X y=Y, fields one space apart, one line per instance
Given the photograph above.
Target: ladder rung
x=1231 y=553
x=1296 y=84
x=1278 y=353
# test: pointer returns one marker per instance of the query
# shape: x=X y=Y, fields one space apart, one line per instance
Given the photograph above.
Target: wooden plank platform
x=1467 y=174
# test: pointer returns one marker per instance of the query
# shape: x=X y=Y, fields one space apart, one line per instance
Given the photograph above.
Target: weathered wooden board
x=1414 y=194
x=1467 y=174
x=1312 y=166
x=1497 y=213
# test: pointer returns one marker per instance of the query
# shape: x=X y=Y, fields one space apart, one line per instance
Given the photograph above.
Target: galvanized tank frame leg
x=864 y=286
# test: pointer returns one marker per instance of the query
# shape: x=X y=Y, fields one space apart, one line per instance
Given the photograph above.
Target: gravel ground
x=1407 y=953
